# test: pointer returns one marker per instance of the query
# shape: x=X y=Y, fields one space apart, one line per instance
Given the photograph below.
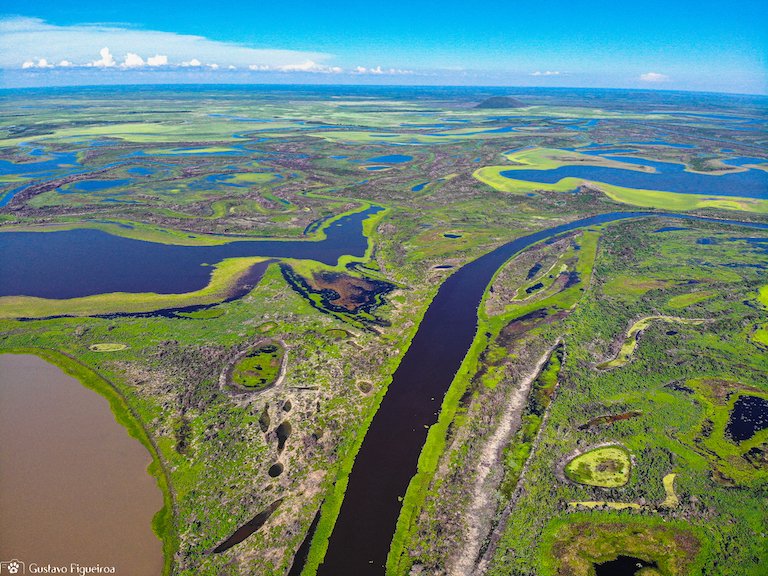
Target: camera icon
x=13 y=567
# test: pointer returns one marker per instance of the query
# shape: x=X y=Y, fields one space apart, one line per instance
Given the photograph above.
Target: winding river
x=387 y=459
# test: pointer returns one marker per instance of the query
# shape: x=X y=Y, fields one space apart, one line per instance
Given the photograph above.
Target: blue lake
x=742 y=160
x=53 y=163
x=419 y=187
x=669 y=177
x=391 y=159
x=140 y=171
x=93 y=186
x=82 y=262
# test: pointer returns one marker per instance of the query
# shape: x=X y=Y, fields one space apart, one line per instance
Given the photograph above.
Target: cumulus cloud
x=653 y=77
x=65 y=63
x=133 y=60
x=106 y=60
x=21 y=39
x=41 y=63
x=194 y=63
x=157 y=60
x=545 y=73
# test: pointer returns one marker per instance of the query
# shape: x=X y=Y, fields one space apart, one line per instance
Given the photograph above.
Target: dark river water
x=668 y=176
x=84 y=262
x=387 y=459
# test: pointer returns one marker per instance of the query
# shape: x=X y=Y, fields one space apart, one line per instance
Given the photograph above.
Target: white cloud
x=194 y=63
x=380 y=70
x=41 y=63
x=157 y=60
x=653 y=77
x=213 y=66
x=65 y=63
x=133 y=60
x=21 y=39
x=106 y=60
x=546 y=73
x=306 y=66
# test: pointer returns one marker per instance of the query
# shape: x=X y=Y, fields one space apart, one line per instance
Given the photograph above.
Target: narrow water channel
x=74 y=486
x=387 y=459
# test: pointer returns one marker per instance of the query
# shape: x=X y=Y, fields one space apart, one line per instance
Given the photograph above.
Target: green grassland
x=684 y=467
x=193 y=174
x=629 y=343
x=260 y=367
x=668 y=436
x=607 y=467
x=577 y=545
x=108 y=347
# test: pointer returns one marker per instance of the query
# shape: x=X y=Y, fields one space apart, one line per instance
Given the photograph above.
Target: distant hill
x=501 y=102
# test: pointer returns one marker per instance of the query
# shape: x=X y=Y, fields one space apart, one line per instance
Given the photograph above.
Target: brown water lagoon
x=74 y=486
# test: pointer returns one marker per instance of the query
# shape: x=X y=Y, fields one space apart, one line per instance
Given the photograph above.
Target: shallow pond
x=391 y=159
x=93 y=185
x=749 y=416
x=73 y=484
x=622 y=566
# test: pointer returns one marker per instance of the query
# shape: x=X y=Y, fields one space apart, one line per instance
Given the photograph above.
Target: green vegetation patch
x=731 y=463
x=685 y=300
x=107 y=347
x=630 y=341
x=760 y=335
x=260 y=368
x=607 y=467
x=338 y=333
x=671 y=500
x=576 y=547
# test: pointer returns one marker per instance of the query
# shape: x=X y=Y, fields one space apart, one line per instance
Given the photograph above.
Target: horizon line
x=379 y=85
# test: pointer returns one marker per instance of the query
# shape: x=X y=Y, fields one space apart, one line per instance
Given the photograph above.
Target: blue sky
x=681 y=44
